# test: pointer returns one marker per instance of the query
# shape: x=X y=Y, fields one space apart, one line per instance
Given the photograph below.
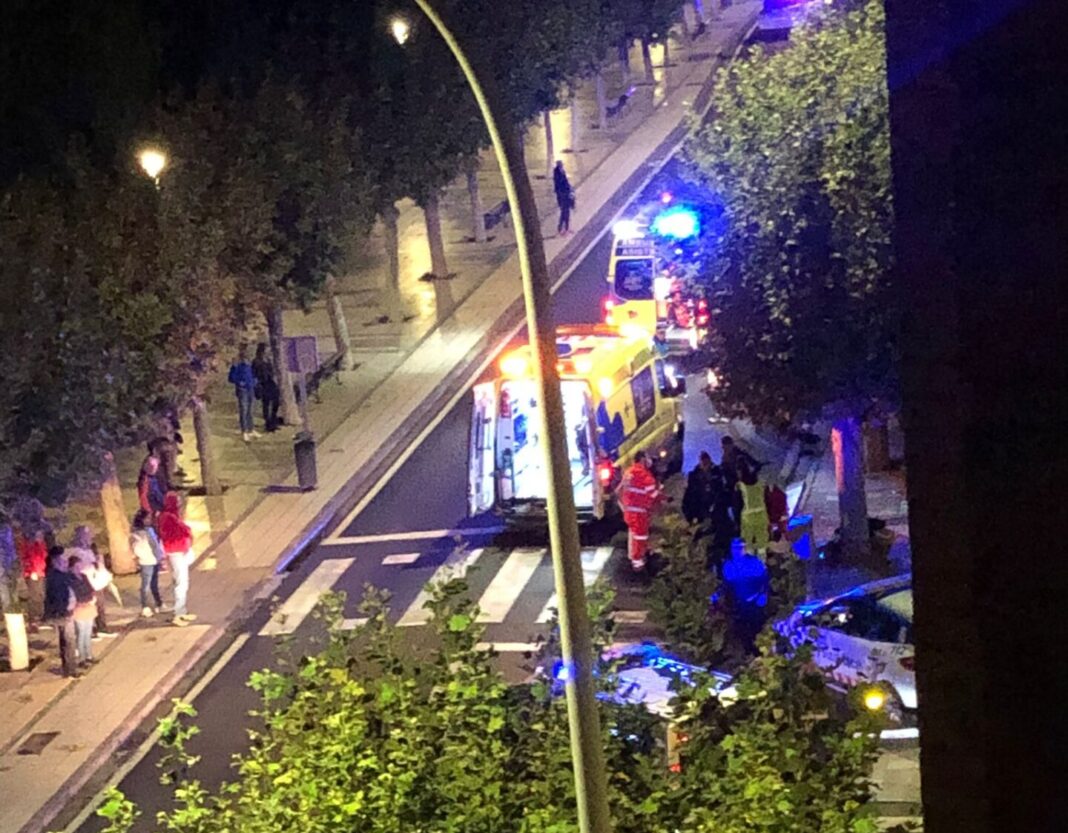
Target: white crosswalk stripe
x=593 y=562
x=506 y=587
x=455 y=566
x=296 y=608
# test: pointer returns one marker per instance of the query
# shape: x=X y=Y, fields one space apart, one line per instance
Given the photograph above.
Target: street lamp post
x=587 y=756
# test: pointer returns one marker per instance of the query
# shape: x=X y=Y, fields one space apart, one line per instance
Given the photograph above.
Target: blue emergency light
x=678 y=223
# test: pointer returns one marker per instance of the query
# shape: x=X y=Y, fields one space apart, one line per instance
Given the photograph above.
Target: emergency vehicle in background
x=619 y=397
x=645 y=290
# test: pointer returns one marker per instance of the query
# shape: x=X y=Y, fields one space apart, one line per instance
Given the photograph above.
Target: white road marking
x=138 y=756
x=507 y=586
x=509 y=647
x=296 y=608
x=630 y=617
x=402 y=558
x=455 y=566
x=593 y=562
x=352 y=624
x=418 y=535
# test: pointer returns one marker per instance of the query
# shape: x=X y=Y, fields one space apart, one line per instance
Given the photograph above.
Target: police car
x=863 y=636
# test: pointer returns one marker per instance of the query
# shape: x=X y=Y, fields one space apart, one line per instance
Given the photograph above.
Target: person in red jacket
x=33 y=555
x=638 y=493
x=177 y=540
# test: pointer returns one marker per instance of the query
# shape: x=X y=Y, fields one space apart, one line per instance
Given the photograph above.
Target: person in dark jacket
x=702 y=490
x=59 y=606
x=266 y=387
x=746 y=582
x=244 y=382
x=151 y=486
x=565 y=198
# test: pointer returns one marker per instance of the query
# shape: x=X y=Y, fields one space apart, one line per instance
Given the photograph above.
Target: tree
x=798 y=151
x=647 y=21
x=363 y=732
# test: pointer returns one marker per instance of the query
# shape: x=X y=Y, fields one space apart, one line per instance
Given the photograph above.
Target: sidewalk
x=404 y=379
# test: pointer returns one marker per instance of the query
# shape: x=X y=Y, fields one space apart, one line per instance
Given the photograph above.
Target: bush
x=681 y=593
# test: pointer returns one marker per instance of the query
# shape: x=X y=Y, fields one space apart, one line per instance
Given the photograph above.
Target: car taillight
x=605 y=472
x=908 y=663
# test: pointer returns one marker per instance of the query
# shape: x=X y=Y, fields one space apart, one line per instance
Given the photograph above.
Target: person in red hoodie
x=33 y=555
x=177 y=540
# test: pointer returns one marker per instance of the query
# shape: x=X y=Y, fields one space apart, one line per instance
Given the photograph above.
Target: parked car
x=863 y=636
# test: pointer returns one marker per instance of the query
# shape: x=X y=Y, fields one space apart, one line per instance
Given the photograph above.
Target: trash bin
x=304 y=451
x=799 y=534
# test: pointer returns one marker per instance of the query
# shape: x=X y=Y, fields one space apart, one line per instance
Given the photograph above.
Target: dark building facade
x=979 y=120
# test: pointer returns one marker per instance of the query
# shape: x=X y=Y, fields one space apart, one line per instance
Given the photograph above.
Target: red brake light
x=702 y=305
x=908 y=663
x=605 y=472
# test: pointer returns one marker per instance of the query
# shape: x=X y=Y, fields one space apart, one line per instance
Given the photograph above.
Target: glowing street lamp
x=152 y=162
x=399 y=28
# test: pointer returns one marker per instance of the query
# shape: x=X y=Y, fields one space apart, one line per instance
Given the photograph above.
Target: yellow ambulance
x=619 y=396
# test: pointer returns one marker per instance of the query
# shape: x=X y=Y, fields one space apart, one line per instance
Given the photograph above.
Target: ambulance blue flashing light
x=678 y=223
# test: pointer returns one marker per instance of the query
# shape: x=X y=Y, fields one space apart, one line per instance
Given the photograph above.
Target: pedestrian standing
x=151 y=486
x=746 y=581
x=754 y=514
x=59 y=607
x=146 y=546
x=84 y=613
x=33 y=555
x=638 y=493
x=177 y=540
x=700 y=491
x=83 y=548
x=266 y=387
x=244 y=383
x=565 y=198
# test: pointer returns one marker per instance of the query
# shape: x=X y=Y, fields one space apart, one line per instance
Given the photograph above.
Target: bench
x=495 y=216
x=614 y=110
x=330 y=367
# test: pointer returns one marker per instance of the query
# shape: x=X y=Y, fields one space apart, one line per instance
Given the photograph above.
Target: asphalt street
x=415 y=524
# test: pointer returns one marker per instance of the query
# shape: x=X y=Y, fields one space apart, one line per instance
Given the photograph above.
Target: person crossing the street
x=638 y=494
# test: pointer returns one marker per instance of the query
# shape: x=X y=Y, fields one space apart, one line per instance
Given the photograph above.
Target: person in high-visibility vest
x=754 y=513
x=638 y=493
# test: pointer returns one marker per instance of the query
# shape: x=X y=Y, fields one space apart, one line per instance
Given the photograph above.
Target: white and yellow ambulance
x=643 y=293
x=619 y=396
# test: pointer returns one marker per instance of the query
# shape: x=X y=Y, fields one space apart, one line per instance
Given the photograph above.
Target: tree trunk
x=624 y=59
x=689 y=19
x=18 y=645
x=116 y=524
x=288 y=413
x=443 y=302
x=576 y=121
x=852 y=501
x=390 y=215
x=667 y=49
x=602 y=101
x=474 y=193
x=209 y=474
x=550 y=151
x=647 y=61
x=338 y=324
x=432 y=214
x=876 y=445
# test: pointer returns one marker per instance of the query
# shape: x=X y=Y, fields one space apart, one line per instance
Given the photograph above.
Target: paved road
x=397 y=541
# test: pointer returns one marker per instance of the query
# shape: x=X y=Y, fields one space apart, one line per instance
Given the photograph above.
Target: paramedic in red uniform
x=638 y=494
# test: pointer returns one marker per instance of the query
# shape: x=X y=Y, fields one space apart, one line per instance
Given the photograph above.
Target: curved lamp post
x=584 y=722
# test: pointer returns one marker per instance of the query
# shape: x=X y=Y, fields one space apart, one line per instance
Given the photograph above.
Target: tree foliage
x=364 y=732
x=798 y=151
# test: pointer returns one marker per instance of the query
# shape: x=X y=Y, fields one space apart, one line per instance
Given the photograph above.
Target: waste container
x=799 y=534
x=304 y=452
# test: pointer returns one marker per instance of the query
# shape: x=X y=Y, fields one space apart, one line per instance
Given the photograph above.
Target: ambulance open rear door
x=482 y=460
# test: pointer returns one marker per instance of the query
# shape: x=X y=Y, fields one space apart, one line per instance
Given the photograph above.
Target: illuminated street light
x=874 y=699
x=400 y=30
x=152 y=162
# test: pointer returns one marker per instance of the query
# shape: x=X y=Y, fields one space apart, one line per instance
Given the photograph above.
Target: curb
x=502 y=330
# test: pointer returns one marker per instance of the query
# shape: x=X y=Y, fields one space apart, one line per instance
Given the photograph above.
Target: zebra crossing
x=513 y=587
